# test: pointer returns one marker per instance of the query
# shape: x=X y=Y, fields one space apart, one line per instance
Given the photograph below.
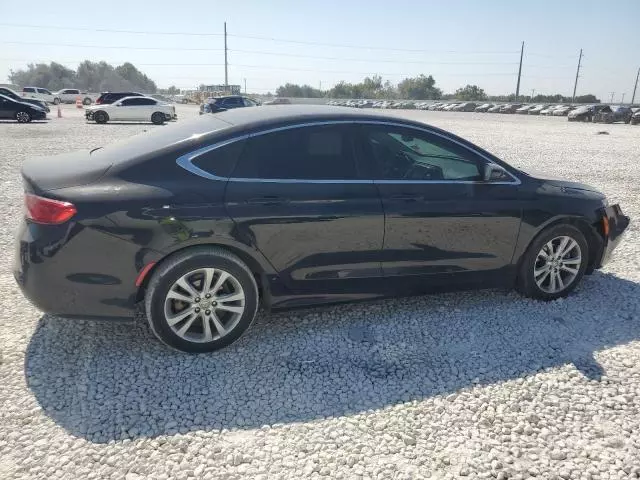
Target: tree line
x=89 y=76
x=422 y=87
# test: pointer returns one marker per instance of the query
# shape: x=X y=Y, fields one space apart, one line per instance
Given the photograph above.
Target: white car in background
x=70 y=95
x=132 y=109
x=38 y=93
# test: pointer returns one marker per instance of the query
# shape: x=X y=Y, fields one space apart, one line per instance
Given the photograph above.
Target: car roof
x=295 y=113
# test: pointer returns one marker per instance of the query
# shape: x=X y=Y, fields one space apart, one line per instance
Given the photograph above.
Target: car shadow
x=112 y=380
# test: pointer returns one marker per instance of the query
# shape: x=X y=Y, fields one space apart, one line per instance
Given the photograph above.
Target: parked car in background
x=465 y=107
x=70 y=95
x=106 y=98
x=635 y=118
x=450 y=107
x=7 y=92
x=549 y=110
x=21 y=112
x=495 y=109
x=536 y=109
x=563 y=111
x=220 y=104
x=584 y=113
x=132 y=109
x=524 y=110
x=483 y=108
x=612 y=114
x=252 y=180
x=38 y=93
x=510 y=108
x=278 y=101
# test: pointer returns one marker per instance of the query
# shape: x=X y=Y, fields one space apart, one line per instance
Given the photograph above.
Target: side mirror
x=495 y=173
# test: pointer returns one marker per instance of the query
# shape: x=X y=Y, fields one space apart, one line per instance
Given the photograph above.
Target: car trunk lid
x=42 y=174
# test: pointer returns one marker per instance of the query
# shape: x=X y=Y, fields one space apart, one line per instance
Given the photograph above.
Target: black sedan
x=289 y=206
x=221 y=104
x=7 y=92
x=19 y=111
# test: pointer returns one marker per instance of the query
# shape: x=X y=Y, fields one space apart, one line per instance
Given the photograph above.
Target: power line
x=375 y=60
x=255 y=37
x=121 y=47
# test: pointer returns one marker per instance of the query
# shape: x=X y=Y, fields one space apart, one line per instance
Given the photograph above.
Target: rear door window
x=305 y=153
x=29 y=89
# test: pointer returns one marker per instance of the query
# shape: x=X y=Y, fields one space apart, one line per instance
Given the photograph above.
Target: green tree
x=298 y=91
x=470 y=92
x=90 y=76
x=419 y=88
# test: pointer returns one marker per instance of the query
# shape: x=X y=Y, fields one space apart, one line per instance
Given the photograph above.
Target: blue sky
x=457 y=41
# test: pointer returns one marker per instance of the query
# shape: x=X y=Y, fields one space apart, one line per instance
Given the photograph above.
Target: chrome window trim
x=185 y=161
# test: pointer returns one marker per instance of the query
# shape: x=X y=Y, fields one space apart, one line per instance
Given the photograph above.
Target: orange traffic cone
x=78 y=102
x=59 y=111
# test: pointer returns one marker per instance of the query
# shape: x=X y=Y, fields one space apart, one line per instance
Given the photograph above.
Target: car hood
x=565 y=185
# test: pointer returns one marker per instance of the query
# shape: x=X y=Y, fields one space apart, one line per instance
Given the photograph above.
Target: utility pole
x=320 y=86
x=533 y=91
x=633 y=98
x=519 y=71
x=612 y=93
x=622 y=100
x=575 y=85
x=245 y=86
x=226 y=64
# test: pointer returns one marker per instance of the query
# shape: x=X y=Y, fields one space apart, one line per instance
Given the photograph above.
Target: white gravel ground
x=473 y=385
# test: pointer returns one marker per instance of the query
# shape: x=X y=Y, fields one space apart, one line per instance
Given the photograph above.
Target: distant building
x=221 y=89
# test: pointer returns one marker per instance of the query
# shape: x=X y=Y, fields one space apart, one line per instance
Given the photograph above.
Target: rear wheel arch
x=258 y=270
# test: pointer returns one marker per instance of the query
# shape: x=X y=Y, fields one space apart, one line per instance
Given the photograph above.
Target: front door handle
x=407 y=197
x=268 y=200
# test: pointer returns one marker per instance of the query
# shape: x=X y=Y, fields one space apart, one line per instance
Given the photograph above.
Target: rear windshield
x=157 y=139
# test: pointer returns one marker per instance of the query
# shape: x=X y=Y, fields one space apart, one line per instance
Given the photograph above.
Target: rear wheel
x=157 y=118
x=554 y=263
x=101 y=117
x=23 y=117
x=87 y=101
x=201 y=300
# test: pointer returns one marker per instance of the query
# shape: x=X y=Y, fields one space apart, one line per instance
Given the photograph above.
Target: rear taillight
x=98 y=101
x=48 y=211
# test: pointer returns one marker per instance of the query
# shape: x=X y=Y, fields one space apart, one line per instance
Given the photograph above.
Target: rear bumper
x=618 y=223
x=74 y=270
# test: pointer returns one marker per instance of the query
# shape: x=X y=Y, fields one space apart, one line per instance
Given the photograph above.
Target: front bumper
x=88 y=114
x=618 y=223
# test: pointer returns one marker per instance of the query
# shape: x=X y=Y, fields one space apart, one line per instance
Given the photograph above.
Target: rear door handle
x=407 y=197
x=268 y=200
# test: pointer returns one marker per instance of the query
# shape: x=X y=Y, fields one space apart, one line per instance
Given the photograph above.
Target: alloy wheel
x=204 y=305
x=557 y=264
x=22 y=117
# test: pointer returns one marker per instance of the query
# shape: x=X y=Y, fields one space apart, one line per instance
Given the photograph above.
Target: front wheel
x=23 y=117
x=201 y=300
x=157 y=118
x=87 y=101
x=100 y=117
x=554 y=263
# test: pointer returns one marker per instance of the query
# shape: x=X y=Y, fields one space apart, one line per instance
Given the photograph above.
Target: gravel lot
x=473 y=385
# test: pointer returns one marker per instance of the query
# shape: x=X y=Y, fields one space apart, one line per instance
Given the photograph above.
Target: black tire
x=100 y=117
x=56 y=101
x=23 y=117
x=170 y=271
x=87 y=101
x=157 y=118
x=526 y=283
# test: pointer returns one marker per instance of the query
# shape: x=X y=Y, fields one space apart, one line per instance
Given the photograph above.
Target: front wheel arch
x=592 y=233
